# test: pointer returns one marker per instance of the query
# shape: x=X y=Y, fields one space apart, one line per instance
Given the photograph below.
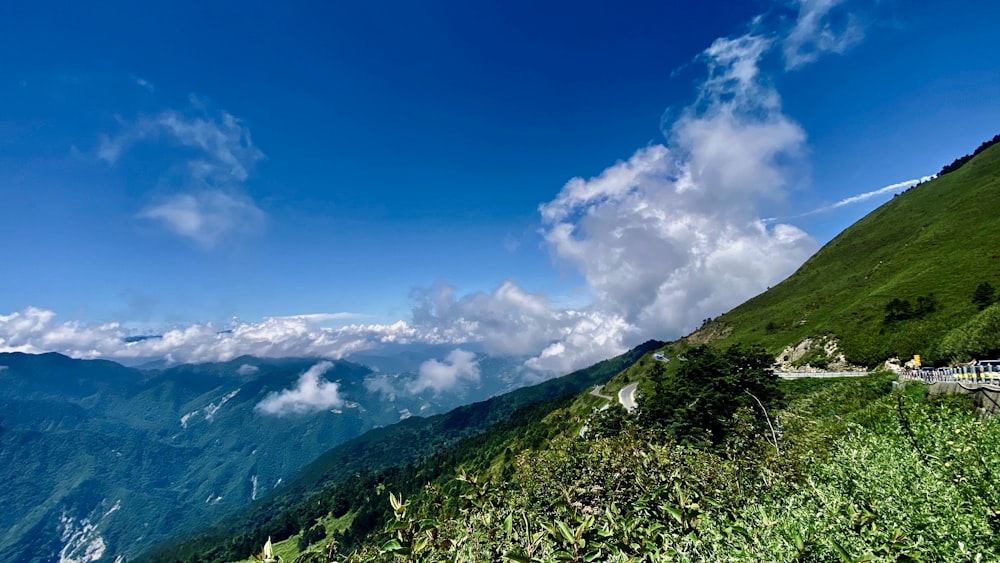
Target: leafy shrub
x=697 y=402
x=984 y=295
x=901 y=310
x=898 y=310
x=311 y=536
x=978 y=338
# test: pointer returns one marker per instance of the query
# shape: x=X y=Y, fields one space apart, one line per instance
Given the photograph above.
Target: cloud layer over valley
x=663 y=239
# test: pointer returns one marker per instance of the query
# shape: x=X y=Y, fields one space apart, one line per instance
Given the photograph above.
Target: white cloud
x=216 y=156
x=507 y=321
x=864 y=196
x=206 y=216
x=322 y=317
x=36 y=330
x=673 y=234
x=143 y=83
x=381 y=383
x=460 y=366
x=247 y=369
x=822 y=26
x=224 y=150
x=311 y=394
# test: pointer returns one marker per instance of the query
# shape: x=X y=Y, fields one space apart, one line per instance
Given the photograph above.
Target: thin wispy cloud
x=859 y=198
x=143 y=83
x=207 y=216
x=822 y=26
x=208 y=202
x=323 y=317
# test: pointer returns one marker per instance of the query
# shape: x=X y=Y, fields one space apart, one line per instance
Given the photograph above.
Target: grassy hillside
x=937 y=241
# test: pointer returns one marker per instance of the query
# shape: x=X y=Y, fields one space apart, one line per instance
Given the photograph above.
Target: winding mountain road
x=626 y=396
x=596 y=391
x=820 y=374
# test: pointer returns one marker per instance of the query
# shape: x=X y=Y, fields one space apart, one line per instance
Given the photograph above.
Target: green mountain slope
x=933 y=244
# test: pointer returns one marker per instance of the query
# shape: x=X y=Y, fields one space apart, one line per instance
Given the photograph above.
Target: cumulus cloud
x=216 y=156
x=511 y=321
x=35 y=330
x=311 y=394
x=822 y=26
x=507 y=321
x=460 y=366
x=673 y=234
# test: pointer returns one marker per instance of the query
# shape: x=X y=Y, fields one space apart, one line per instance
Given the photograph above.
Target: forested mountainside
x=103 y=461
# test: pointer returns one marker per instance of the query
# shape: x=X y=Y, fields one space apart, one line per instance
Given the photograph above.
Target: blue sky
x=325 y=177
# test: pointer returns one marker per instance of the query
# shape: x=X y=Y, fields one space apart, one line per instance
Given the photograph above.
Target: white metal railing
x=982 y=373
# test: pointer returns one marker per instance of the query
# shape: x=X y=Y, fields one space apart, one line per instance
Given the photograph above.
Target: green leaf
x=391 y=546
x=518 y=557
x=675 y=512
x=429 y=524
x=741 y=531
x=799 y=543
x=565 y=531
x=841 y=552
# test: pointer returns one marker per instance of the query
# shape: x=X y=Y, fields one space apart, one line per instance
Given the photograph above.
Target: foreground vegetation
x=861 y=473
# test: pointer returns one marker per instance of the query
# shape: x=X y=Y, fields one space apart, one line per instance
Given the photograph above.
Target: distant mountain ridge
x=102 y=460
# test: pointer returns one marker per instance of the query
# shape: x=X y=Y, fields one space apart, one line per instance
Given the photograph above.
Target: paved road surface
x=596 y=391
x=801 y=374
x=627 y=397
